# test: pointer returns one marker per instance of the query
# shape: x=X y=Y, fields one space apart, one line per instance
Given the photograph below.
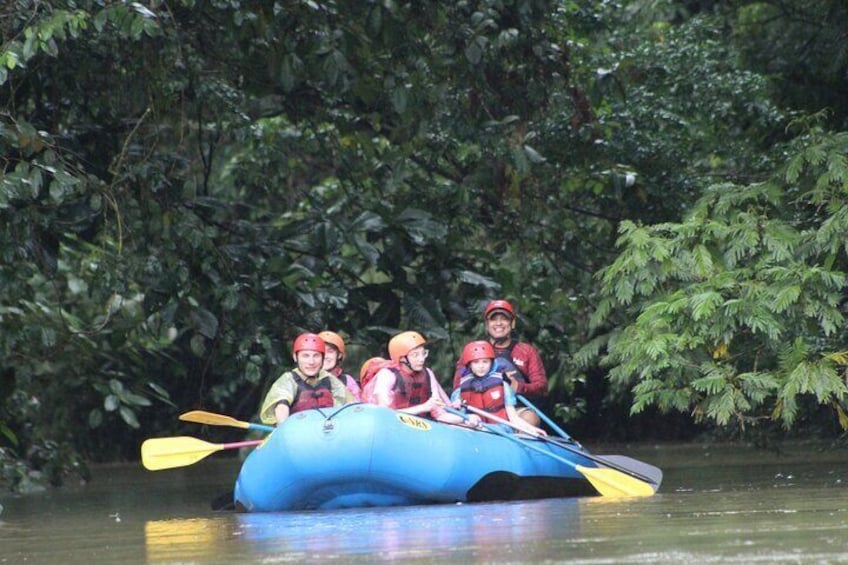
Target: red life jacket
x=485 y=393
x=411 y=388
x=308 y=396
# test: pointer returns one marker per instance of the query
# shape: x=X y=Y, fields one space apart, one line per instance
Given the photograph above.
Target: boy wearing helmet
x=522 y=364
x=333 y=357
x=484 y=387
x=407 y=385
x=306 y=386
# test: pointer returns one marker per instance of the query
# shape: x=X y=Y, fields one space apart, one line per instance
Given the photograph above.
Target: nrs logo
x=413 y=422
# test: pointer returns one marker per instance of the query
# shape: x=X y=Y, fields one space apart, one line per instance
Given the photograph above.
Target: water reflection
x=730 y=506
x=479 y=532
x=174 y=540
x=402 y=533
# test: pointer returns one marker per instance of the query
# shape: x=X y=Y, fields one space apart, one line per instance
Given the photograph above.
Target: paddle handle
x=240 y=444
x=544 y=417
x=494 y=418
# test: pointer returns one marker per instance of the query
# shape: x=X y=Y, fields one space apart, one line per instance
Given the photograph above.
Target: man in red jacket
x=519 y=362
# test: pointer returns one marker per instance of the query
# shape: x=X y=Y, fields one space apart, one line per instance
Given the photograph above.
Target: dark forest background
x=659 y=186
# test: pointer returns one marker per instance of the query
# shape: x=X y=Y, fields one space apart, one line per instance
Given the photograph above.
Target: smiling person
x=408 y=385
x=306 y=386
x=520 y=362
x=333 y=359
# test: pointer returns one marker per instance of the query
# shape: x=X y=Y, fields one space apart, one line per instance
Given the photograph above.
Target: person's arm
x=384 y=384
x=522 y=424
x=354 y=388
x=534 y=369
x=281 y=412
x=440 y=399
x=281 y=392
x=514 y=418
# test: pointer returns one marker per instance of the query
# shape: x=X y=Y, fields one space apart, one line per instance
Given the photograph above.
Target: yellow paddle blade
x=612 y=483
x=170 y=452
x=211 y=419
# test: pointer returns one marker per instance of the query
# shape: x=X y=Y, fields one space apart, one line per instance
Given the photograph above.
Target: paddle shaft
x=589 y=456
x=608 y=482
x=238 y=444
x=509 y=436
x=212 y=419
x=543 y=416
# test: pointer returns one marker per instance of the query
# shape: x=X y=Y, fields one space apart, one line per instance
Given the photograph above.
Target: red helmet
x=403 y=343
x=309 y=342
x=475 y=350
x=333 y=339
x=499 y=306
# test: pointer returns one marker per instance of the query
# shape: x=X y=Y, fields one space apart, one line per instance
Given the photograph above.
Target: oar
x=211 y=419
x=608 y=480
x=624 y=464
x=169 y=452
x=544 y=418
x=652 y=474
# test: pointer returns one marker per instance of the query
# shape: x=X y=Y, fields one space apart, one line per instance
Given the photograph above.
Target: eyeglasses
x=418 y=354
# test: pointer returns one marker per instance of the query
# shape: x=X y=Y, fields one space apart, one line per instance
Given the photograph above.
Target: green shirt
x=284 y=389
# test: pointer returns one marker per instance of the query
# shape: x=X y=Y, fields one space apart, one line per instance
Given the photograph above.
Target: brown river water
x=717 y=504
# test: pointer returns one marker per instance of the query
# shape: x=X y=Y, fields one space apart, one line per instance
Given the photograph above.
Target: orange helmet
x=475 y=350
x=499 y=306
x=309 y=342
x=368 y=365
x=403 y=343
x=333 y=339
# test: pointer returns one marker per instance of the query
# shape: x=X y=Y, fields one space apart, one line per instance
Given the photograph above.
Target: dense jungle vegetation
x=659 y=186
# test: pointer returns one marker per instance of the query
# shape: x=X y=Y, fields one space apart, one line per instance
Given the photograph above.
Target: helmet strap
x=502 y=342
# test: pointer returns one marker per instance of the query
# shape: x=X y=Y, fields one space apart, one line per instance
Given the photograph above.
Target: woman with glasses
x=408 y=385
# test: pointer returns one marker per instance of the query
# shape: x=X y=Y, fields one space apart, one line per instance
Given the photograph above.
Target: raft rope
x=328 y=420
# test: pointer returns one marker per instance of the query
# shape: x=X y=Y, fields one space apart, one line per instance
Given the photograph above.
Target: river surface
x=717 y=504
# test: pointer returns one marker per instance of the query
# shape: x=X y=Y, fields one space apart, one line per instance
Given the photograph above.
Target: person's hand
x=430 y=404
x=541 y=433
x=513 y=382
x=474 y=421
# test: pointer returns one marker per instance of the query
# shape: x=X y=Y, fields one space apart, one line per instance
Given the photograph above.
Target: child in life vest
x=485 y=388
x=406 y=384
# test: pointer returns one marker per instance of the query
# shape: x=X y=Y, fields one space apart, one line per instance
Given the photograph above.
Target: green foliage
x=730 y=314
x=187 y=186
x=802 y=48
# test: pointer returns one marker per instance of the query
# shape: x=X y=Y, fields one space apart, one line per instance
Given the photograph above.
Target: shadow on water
x=728 y=504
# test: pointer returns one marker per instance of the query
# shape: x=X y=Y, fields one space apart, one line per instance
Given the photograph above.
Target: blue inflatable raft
x=362 y=455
